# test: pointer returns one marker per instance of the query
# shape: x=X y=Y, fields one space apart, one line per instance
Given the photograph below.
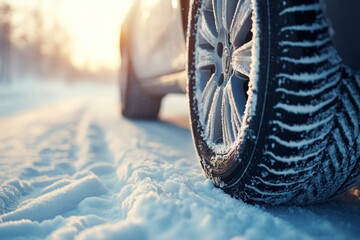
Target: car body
x=159 y=29
x=159 y=43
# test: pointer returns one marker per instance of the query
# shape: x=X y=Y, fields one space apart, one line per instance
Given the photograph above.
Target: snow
x=306 y=27
x=306 y=109
x=316 y=43
x=314 y=59
x=301 y=8
x=310 y=77
x=61 y=200
x=72 y=168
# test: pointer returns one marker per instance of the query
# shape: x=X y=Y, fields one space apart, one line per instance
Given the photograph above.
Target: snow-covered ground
x=71 y=167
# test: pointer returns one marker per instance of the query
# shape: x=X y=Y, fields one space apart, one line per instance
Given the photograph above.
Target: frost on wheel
x=264 y=86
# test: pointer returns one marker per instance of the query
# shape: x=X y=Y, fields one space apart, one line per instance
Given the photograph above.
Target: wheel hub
x=226 y=61
x=223 y=59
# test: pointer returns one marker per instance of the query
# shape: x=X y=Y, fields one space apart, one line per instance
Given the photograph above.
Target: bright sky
x=94 y=26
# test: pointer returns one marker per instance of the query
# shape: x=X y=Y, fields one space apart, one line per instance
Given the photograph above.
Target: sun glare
x=94 y=26
x=174 y=3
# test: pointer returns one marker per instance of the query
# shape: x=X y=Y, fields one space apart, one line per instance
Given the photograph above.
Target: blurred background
x=60 y=39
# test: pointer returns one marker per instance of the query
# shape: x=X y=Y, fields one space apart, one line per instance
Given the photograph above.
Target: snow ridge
x=58 y=201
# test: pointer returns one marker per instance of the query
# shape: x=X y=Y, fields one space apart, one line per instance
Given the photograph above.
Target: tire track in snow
x=154 y=185
x=41 y=142
x=54 y=148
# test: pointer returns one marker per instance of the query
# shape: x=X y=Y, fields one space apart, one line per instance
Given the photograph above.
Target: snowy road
x=70 y=167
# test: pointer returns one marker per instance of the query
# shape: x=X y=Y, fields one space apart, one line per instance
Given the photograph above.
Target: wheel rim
x=222 y=69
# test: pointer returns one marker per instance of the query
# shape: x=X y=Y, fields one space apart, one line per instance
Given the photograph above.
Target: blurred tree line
x=33 y=45
x=5 y=42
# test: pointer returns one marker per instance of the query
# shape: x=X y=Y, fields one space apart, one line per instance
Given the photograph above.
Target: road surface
x=72 y=168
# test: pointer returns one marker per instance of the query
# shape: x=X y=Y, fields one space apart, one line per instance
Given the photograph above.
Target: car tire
x=285 y=129
x=136 y=102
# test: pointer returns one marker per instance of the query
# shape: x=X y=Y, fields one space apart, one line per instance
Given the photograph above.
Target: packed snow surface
x=72 y=168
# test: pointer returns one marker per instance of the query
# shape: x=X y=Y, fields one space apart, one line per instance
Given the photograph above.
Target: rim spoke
x=229 y=7
x=207 y=97
x=227 y=125
x=217 y=8
x=237 y=97
x=205 y=58
x=236 y=119
x=241 y=59
x=207 y=5
x=208 y=28
x=213 y=128
x=241 y=23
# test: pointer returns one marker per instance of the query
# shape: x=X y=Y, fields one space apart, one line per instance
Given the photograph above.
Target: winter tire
x=274 y=112
x=135 y=101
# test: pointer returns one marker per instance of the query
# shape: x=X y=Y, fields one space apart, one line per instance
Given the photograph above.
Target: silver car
x=273 y=93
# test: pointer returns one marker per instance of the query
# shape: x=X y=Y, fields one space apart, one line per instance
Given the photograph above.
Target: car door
x=158 y=42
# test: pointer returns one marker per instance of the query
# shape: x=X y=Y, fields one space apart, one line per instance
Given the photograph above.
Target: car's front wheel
x=274 y=118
